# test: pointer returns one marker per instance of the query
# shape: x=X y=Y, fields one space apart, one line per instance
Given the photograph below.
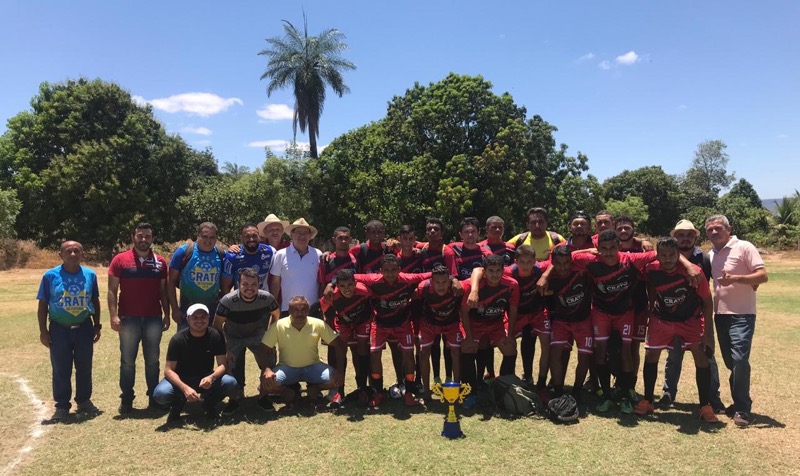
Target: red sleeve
x=640 y=260
x=368 y=279
x=363 y=290
x=514 y=301
x=321 y=273
x=508 y=270
x=486 y=251
x=543 y=265
x=581 y=260
x=324 y=304
x=450 y=260
x=420 y=244
x=355 y=251
x=418 y=291
x=413 y=277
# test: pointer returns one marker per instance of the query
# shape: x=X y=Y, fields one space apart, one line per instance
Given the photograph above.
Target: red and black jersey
x=431 y=255
x=410 y=264
x=438 y=310
x=675 y=299
x=503 y=249
x=390 y=301
x=369 y=257
x=493 y=301
x=530 y=301
x=352 y=310
x=464 y=260
x=328 y=270
x=640 y=292
x=571 y=300
x=573 y=247
x=614 y=285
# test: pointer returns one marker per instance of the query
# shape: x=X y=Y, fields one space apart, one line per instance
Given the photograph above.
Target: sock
x=436 y=357
x=480 y=362
x=541 y=382
x=489 y=360
x=362 y=370
x=508 y=365
x=650 y=373
x=397 y=361
x=376 y=380
x=704 y=385
x=558 y=390
x=604 y=376
x=448 y=363
x=468 y=373
x=528 y=350
x=627 y=382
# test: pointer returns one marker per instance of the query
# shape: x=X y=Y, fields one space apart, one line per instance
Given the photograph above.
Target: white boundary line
x=36 y=430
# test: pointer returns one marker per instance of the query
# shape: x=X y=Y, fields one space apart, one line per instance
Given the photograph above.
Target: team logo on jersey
x=204 y=275
x=573 y=300
x=613 y=288
x=74 y=299
x=673 y=301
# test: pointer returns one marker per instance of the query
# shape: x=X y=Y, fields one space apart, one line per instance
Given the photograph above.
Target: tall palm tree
x=308 y=64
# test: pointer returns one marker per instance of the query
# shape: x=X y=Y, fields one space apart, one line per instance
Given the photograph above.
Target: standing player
x=340 y=259
x=579 y=226
x=252 y=254
x=369 y=254
x=349 y=311
x=495 y=227
x=411 y=259
x=538 y=236
x=438 y=307
x=678 y=309
x=485 y=324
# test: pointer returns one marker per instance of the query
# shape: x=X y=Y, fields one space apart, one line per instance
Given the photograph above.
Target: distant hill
x=770 y=205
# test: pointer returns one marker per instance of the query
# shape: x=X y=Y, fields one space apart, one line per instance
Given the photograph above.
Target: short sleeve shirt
x=194 y=356
x=139 y=283
x=68 y=295
x=298 y=348
x=246 y=319
x=541 y=246
x=298 y=274
x=737 y=257
x=199 y=277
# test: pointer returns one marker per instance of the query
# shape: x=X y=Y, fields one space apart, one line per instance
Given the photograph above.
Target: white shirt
x=298 y=274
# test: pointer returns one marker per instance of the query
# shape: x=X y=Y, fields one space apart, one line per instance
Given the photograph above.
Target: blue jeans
x=134 y=330
x=317 y=373
x=166 y=394
x=735 y=334
x=672 y=373
x=68 y=346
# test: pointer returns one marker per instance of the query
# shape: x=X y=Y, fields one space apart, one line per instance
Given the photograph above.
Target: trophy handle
x=465 y=390
x=437 y=390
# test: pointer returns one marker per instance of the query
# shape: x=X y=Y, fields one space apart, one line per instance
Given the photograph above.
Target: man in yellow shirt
x=297 y=339
x=538 y=236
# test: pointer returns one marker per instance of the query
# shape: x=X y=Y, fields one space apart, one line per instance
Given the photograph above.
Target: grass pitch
x=395 y=440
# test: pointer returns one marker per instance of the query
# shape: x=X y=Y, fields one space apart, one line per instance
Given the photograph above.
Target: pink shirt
x=737 y=257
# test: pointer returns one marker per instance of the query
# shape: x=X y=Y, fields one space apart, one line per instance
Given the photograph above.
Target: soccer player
x=495 y=227
x=349 y=311
x=438 y=307
x=485 y=324
x=369 y=254
x=339 y=260
x=467 y=254
x=538 y=236
x=411 y=259
x=569 y=307
x=678 y=309
x=579 y=239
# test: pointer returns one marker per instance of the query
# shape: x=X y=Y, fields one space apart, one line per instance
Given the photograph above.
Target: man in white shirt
x=294 y=269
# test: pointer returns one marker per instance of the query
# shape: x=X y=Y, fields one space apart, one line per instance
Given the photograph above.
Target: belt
x=73 y=327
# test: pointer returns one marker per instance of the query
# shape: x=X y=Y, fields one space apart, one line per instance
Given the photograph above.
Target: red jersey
x=614 y=285
x=350 y=311
x=139 y=283
x=369 y=257
x=390 y=301
x=573 y=247
x=503 y=249
x=410 y=264
x=571 y=300
x=438 y=310
x=431 y=255
x=493 y=301
x=530 y=301
x=328 y=270
x=675 y=299
x=463 y=260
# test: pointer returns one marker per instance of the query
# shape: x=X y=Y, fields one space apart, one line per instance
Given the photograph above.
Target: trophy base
x=452 y=430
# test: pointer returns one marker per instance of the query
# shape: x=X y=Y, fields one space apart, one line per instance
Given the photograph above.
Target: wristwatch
x=98 y=326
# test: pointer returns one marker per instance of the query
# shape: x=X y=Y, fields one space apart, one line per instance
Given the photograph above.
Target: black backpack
x=187 y=255
x=510 y=393
x=563 y=409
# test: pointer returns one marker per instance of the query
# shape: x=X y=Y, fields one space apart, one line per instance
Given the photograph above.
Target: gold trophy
x=452 y=392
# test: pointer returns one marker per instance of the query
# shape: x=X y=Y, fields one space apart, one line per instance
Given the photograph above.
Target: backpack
x=511 y=394
x=563 y=409
x=187 y=255
x=553 y=236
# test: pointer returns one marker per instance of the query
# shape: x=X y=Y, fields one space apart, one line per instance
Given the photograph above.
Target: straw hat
x=271 y=218
x=301 y=223
x=684 y=225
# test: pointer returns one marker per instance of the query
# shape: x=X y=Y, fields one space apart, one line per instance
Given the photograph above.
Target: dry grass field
x=393 y=440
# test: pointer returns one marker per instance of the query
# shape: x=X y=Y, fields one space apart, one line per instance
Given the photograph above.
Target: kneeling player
x=438 y=309
x=349 y=312
x=484 y=325
x=678 y=309
x=569 y=303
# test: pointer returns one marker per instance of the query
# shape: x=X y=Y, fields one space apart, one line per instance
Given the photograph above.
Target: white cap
x=196 y=307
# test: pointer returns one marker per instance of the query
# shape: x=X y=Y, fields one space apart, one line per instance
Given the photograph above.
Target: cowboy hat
x=684 y=225
x=301 y=223
x=271 y=218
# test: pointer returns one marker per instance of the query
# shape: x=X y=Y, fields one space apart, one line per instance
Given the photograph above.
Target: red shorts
x=661 y=334
x=540 y=324
x=401 y=334
x=451 y=332
x=351 y=333
x=495 y=330
x=581 y=332
x=640 y=326
x=603 y=323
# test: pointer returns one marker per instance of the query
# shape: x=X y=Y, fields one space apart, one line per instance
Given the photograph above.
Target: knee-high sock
x=704 y=385
x=528 y=350
x=650 y=374
x=508 y=365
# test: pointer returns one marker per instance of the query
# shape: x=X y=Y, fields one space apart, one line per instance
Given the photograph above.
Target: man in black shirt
x=190 y=374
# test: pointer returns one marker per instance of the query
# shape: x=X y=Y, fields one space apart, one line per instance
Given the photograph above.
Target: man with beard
x=139 y=309
x=687 y=234
x=252 y=254
x=579 y=225
x=243 y=316
x=538 y=236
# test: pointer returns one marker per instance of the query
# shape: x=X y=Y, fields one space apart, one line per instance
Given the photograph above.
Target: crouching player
x=349 y=311
x=484 y=322
x=677 y=309
x=569 y=304
x=438 y=306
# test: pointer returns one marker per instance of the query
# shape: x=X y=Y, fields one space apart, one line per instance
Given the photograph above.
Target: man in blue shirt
x=250 y=254
x=69 y=297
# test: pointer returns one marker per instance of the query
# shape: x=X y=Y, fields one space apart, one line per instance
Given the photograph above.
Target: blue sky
x=627 y=83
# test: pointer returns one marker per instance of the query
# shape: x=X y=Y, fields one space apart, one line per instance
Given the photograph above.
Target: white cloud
x=203 y=131
x=586 y=57
x=604 y=65
x=628 y=58
x=276 y=112
x=139 y=101
x=200 y=104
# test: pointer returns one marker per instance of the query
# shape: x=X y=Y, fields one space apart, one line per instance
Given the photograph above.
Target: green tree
x=9 y=208
x=707 y=176
x=234 y=170
x=786 y=220
x=657 y=189
x=632 y=206
x=748 y=222
x=308 y=64
x=87 y=163
x=744 y=189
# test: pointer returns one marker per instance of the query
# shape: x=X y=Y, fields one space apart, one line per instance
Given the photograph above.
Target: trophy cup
x=452 y=392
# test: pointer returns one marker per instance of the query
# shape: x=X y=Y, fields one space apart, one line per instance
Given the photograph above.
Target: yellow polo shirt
x=541 y=246
x=298 y=348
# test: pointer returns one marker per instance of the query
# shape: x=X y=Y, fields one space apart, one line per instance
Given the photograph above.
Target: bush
x=17 y=253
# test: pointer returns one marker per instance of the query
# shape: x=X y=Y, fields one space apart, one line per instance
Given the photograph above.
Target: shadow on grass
x=73 y=419
x=143 y=414
x=762 y=421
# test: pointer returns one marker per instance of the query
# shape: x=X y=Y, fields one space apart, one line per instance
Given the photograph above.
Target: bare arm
x=172 y=294
x=165 y=305
x=41 y=314
x=275 y=287
x=474 y=282
x=96 y=318
x=225 y=285
x=113 y=291
x=173 y=378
